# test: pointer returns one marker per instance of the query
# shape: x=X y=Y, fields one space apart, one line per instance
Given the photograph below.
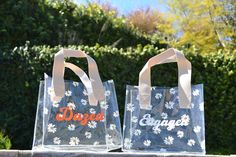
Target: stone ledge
x=29 y=153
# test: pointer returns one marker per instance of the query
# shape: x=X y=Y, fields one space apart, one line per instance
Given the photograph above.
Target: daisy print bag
x=74 y=115
x=163 y=119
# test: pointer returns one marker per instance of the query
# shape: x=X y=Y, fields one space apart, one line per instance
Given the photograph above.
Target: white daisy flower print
x=172 y=91
x=127 y=143
x=92 y=110
x=168 y=140
x=45 y=111
x=130 y=107
x=112 y=126
x=158 y=96
x=201 y=106
x=180 y=134
x=109 y=139
x=85 y=92
x=51 y=128
x=51 y=91
x=56 y=140
x=71 y=105
x=116 y=114
x=56 y=105
x=68 y=93
x=197 y=129
x=134 y=119
x=147 y=143
x=191 y=142
x=170 y=127
x=84 y=102
x=107 y=93
x=137 y=132
x=164 y=115
x=149 y=107
x=88 y=135
x=96 y=143
x=156 y=130
x=75 y=84
x=196 y=92
x=169 y=105
x=185 y=119
x=108 y=136
x=74 y=141
x=92 y=124
x=104 y=105
x=71 y=127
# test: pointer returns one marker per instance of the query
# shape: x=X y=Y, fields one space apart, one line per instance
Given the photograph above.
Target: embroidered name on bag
x=67 y=114
x=147 y=120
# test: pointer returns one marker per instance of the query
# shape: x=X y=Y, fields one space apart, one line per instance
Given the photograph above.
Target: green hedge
x=23 y=68
x=64 y=23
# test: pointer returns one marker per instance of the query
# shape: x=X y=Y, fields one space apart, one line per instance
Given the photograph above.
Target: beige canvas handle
x=85 y=80
x=94 y=82
x=184 y=78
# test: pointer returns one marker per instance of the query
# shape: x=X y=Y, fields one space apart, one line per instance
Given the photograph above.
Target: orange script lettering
x=68 y=115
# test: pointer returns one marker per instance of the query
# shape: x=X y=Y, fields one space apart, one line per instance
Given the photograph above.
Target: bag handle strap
x=184 y=77
x=59 y=69
x=85 y=80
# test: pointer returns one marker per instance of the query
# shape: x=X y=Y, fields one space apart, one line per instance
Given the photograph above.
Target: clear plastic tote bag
x=75 y=115
x=163 y=119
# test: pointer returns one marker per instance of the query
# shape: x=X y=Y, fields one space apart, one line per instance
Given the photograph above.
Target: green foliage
x=64 y=23
x=5 y=142
x=208 y=24
x=23 y=68
x=23 y=20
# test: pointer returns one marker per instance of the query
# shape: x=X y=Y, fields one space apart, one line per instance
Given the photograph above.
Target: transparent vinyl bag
x=163 y=119
x=71 y=116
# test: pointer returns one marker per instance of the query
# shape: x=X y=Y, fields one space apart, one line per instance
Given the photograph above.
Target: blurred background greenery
x=32 y=31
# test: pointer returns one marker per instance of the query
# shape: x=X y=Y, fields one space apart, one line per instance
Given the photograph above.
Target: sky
x=126 y=6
